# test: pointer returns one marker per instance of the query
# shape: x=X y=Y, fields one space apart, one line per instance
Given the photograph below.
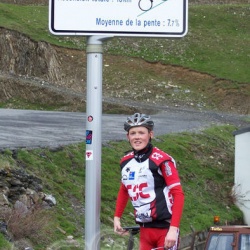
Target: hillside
x=207 y=70
x=151 y=71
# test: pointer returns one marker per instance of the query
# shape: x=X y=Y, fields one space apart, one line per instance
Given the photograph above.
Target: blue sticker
x=131 y=175
x=88 y=136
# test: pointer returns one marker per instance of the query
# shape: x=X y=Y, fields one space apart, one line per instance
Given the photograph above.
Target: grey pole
x=93 y=142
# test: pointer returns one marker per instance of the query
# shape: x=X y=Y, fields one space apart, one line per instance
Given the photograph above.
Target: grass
x=217 y=42
x=19 y=103
x=5 y=245
x=207 y=47
x=205 y=162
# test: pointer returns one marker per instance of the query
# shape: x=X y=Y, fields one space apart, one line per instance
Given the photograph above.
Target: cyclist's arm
x=177 y=208
x=171 y=176
x=121 y=202
x=172 y=179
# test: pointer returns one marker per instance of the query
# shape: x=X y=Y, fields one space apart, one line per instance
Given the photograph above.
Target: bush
x=23 y=223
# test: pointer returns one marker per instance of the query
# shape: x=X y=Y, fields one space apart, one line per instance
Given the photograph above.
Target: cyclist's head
x=138 y=120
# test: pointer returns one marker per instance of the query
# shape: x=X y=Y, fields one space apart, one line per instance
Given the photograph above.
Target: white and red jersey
x=148 y=184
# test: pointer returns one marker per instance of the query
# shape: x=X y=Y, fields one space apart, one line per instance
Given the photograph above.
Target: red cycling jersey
x=154 y=189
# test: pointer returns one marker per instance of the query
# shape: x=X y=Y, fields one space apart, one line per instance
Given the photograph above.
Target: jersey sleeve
x=178 y=204
x=121 y=201
x=171 y=177
x=170 y=173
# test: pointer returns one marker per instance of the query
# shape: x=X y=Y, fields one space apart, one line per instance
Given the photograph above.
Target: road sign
x=138 y=18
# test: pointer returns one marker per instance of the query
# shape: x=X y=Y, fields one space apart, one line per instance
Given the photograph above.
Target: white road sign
x=138 y=18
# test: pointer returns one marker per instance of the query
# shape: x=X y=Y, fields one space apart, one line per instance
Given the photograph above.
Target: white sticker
x=89 y=155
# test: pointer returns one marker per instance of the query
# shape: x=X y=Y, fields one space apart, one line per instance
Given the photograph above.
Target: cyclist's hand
x=171 y=237
x=117 y=227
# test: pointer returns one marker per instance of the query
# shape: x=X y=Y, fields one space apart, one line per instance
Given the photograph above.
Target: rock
x=15 y=182
x=3 y=200
x=21 y=208
x=20 y=197
x=23 y=244
x=50 y=200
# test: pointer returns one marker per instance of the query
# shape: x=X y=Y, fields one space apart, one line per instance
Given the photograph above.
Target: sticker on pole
x=89 y=155
x=89 y=134
x=138 y=18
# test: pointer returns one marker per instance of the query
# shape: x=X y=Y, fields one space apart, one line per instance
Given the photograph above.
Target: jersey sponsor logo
x=141 y=172
x=145 y=217
x=142 y=169
x=131 y=175
x=129 y=154
x=156 y=156
x=136 y=191
x=124 y=177
x=168 y=170
x=142 y=176
x=170 y=198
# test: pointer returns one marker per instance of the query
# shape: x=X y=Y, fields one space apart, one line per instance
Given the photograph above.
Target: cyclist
x=151 y=181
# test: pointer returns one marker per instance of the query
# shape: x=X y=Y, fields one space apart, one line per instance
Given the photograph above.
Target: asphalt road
x=33 y=129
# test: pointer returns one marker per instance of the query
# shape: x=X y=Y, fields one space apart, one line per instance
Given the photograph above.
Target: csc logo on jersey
x=156 y=156
x=136 y=191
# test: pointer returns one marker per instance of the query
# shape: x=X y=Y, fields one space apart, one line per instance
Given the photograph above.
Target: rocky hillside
x=38 y=72
x=48 y=76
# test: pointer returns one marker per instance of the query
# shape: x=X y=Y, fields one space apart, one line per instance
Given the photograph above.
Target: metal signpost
x=100 y=20
x=93 y=142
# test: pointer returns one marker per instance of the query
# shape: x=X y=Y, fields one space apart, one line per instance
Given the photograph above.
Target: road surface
x=33 y=129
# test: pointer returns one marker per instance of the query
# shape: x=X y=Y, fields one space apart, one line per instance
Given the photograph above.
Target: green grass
x=217 y=42
x=205 y=162
x=19 y=103
x=4 y=245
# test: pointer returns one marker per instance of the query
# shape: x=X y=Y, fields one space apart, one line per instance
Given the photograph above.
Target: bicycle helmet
x=137 y=120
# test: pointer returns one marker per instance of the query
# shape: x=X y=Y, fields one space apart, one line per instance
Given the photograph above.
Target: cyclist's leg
x=146 y=239
x=162 y=232
x=152 y=237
